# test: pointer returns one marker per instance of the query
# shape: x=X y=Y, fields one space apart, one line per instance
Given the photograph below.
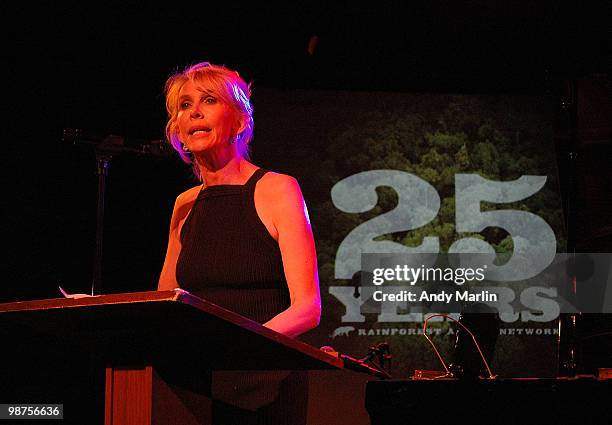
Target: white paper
x=75 y=296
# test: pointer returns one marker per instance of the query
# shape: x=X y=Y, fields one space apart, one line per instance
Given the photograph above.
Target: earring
x=186 y=149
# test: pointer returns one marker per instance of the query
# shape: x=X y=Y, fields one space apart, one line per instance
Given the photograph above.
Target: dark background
x=102 y=67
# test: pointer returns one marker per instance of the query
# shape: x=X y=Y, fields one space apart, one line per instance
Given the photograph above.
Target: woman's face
x=204 y=121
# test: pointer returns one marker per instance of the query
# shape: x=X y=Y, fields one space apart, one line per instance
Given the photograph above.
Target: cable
x=448 y=372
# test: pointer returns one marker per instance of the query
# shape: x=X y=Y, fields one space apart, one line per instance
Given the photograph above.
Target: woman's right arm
x=182 y=206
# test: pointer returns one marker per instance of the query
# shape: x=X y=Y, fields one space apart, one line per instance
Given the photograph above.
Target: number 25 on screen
x=418 y=204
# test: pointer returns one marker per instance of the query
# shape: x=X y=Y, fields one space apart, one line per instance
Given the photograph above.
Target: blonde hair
x=228 y=86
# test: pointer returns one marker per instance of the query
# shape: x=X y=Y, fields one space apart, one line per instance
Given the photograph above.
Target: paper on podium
x=75 y=296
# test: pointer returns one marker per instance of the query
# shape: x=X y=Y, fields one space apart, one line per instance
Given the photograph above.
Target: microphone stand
x=104 y=149
x=102 y=160
x=568 y=323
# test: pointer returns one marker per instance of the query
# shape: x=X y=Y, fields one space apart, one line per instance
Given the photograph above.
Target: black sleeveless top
x=229 y=258
x=227 y=255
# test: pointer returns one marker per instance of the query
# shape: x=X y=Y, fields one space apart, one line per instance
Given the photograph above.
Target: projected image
x=419 y=173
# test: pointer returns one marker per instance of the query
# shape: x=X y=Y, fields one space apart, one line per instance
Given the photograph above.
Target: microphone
x=114 y=144
x=359 y=366
x=356 y=365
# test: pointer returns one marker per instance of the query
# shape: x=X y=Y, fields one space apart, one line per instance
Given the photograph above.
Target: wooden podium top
x=165 y=325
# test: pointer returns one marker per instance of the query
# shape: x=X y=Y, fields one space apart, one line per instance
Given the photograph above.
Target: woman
x=242 y=239
x=210 y=125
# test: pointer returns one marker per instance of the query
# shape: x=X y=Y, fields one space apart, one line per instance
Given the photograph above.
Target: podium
x=141 y=339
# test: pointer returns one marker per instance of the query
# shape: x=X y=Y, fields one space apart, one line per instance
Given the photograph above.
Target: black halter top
x=228 y=256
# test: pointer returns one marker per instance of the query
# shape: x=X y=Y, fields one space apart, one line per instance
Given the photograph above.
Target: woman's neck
x=232 y=172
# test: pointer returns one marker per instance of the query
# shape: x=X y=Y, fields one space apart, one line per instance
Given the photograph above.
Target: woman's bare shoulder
x=183 y=205
x=188 y=196
x=281 y=192
x=278 y=182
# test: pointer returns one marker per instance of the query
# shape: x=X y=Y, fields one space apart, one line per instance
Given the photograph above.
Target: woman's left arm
x=296 y=242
